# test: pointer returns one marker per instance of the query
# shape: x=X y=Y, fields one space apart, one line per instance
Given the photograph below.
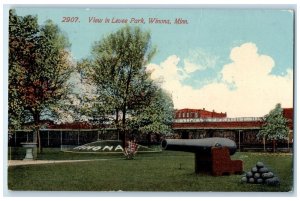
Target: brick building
x=200 y=123
x=198 y=113
x=188 y=124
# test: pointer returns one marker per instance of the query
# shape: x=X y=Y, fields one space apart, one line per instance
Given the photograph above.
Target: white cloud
x=200 y=60
x=255 y=90
x=190 y=67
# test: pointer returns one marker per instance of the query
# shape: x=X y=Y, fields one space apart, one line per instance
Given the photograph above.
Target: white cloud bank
x=254 y=93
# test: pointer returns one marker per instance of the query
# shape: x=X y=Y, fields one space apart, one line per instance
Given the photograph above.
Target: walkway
x=37 y=162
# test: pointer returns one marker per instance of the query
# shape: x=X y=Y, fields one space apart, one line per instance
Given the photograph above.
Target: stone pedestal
x=29 y=149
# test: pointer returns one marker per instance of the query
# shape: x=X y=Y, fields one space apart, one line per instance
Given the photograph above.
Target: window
x=183 y=115
x=187 y=115
x=196 y=115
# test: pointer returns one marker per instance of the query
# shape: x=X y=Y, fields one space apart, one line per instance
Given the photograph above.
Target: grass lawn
x=165 y=171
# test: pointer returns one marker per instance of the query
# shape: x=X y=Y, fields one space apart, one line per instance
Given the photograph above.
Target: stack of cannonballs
x=260 y=175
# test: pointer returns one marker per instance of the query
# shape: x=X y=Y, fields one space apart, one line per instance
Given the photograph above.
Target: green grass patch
x=165 y=171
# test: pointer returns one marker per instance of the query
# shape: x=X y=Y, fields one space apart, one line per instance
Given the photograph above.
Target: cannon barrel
x=199 y=145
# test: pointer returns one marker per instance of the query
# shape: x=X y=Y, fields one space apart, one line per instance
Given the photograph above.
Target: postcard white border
x=6 y=4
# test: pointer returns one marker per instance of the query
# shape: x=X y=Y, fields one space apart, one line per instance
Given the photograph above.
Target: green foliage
x=275 y=126
x=157 y=117
x=94 y=103
x=119 y=68
x=39 y=66
x=124 y=86
x=20 y=54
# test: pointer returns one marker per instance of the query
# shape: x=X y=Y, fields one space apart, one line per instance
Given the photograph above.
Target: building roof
x=254 y=124
x=204 y=120
x=226 y=123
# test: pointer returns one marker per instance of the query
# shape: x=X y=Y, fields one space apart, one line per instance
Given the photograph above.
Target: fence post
x=60 y=138
x=240 y=140
x=48 y=138
x=78 y=137
x=15 y=138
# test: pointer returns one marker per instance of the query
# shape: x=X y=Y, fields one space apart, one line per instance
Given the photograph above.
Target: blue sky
x=199 y=50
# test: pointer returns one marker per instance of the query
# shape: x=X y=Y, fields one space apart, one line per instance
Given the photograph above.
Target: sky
x=238 y=61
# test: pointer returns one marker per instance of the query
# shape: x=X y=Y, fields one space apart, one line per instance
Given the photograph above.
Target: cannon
x=211 y=154
x=199 y=145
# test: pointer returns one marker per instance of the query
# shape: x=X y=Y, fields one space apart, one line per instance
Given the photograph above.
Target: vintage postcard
x=139 y=99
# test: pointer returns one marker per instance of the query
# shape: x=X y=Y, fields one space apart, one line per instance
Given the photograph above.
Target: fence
x=59 y=137
x=76 y=137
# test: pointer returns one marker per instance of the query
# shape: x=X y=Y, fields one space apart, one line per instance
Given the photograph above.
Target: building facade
x=188 y=124
x=197 y=124
x=197 y=113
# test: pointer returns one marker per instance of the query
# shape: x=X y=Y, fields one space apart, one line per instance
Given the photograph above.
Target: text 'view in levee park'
x=192 y=100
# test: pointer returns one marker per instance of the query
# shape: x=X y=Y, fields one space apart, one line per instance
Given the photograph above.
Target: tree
x=91 y=105
x=39 y=67
x=275 y=126
x=157 y=117
x=20 y=44
x=119 y=72
x=80 y=102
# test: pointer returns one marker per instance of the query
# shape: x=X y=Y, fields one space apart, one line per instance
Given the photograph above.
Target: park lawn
x=167 y=171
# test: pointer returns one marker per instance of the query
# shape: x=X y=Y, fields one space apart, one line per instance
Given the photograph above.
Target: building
x=197 y=124
x=188 y=124
x=198 y=113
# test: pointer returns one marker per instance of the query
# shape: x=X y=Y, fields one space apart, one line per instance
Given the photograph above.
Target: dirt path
x=36 y=162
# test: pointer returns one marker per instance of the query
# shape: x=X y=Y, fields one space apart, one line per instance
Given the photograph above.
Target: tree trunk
x=123 y=129
x=37 y=137
x=148 y=139
x=117 y=124
x=117 y=118
x=39 y=140
x=274 y=146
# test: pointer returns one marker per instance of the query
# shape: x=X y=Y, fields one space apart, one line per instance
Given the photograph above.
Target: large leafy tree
x=20 y=44
x=119 y=71
x=157 y=117
x=275 y=127
x=39 y=67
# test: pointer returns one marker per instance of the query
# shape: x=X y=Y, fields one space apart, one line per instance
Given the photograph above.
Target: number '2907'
x=70 y=19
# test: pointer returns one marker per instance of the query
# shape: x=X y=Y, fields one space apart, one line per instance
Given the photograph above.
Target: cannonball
x=251 y=180
x=256 y=175
x=259 y=180
x=267 y=175
x=274 y=181
x=259 y=165
x=254 y=170
x=249 y=174
x=244 y=179
x=263 y=170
